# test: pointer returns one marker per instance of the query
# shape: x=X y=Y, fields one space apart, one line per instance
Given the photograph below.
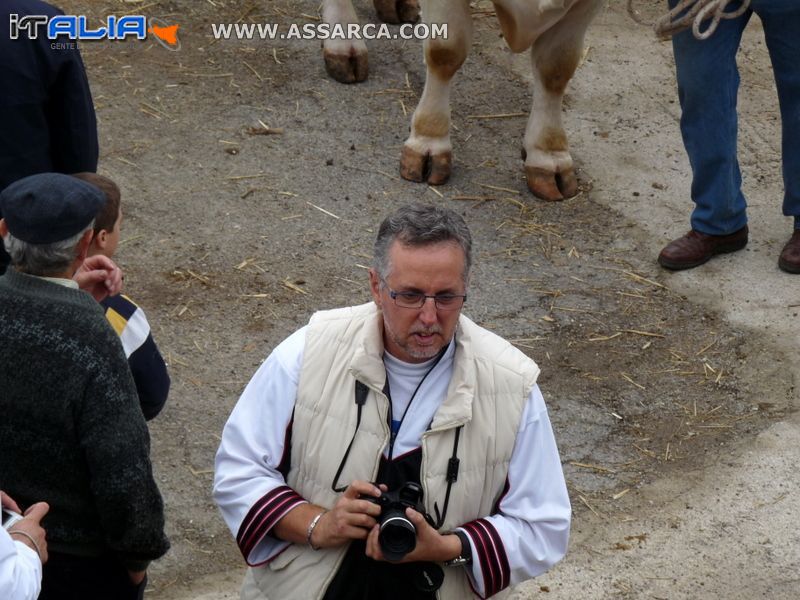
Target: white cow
x=553 y=30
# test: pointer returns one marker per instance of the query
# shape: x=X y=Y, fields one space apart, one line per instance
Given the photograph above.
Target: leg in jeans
x=781 y=19
x=708 y=81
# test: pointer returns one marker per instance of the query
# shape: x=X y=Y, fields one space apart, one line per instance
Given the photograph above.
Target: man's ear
x=3 y=228
x=82 y=249
x=101 y=239
x=375 y=286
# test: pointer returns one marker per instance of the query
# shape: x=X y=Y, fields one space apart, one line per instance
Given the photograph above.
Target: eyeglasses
x=417 y=299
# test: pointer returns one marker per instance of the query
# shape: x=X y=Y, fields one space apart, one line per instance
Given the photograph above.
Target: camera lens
x=397 y=536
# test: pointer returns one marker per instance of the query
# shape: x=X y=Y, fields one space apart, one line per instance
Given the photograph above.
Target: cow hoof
x=347 y=68
x=419 y=167
x=397 y=11
x=551 y=186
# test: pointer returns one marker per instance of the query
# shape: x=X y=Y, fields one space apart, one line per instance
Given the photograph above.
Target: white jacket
x=490 y=384
x=20 y=570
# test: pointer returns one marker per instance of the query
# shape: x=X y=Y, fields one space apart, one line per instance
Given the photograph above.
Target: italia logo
x=76 y=27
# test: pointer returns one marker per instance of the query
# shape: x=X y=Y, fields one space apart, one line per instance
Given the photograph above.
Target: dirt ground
x=232 y=239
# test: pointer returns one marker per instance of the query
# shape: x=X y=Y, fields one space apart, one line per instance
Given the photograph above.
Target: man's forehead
x=440 y=265
x=419 y=252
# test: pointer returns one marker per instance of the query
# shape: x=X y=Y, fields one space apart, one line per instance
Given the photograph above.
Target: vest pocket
x=286 y=557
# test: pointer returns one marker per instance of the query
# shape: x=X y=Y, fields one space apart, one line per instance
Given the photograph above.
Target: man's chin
x=424 y=352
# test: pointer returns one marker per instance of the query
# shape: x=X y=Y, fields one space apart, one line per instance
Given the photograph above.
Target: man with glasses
x=401 y=394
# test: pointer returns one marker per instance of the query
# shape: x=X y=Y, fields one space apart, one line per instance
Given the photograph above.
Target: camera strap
x=452 y=477
x=361 y=399
x=361 y=392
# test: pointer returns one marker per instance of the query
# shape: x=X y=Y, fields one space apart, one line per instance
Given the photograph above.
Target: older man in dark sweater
x=71 y=431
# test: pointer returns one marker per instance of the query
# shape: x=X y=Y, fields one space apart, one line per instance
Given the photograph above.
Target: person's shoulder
x=286 y=357
x=120 y=304
x=344 y=313
x=484 y=340
x=38 y=52
x=291 y=347
x=31 y=7
x=489 y=346
x=82 y=319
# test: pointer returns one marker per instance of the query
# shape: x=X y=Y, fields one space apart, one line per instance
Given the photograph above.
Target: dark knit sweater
x=71 y=431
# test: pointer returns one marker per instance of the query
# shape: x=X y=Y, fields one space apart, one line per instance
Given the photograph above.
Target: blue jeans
x=708 y=81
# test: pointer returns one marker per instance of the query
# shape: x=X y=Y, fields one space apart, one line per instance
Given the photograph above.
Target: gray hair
x=44 y=260
x=421 y=225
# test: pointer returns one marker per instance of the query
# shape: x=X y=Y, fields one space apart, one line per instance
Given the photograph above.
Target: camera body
x=397 y=535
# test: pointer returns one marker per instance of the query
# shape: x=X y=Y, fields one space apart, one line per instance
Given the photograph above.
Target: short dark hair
x=107 y=215
x=421 y=225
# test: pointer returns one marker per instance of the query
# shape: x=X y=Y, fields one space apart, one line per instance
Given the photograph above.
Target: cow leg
x=397 y=11
x=427 y=153
x=555 y=55
x=345 y=60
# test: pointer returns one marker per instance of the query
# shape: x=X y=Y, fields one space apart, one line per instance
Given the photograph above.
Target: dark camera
x=398 y=536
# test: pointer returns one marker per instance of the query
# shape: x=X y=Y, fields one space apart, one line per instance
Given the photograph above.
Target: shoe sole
x=721 y=249
x=788 y=267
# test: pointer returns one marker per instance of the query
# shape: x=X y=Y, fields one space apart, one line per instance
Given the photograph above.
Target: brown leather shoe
x=790 y=255
x=695 y=248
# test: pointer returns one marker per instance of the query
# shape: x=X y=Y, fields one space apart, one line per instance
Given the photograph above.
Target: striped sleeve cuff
x=263 y=516
x=490 y=554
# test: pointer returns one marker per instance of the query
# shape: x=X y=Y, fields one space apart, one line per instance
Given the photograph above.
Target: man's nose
x=428 y=313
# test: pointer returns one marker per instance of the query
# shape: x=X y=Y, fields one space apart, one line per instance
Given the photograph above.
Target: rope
x=696 y=12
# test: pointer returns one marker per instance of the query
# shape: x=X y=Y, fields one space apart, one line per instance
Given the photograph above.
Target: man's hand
x=7 y=501
x=28 y=530
x=99 y=276
x=350 y=519
x=136 y=577
x=431 y=545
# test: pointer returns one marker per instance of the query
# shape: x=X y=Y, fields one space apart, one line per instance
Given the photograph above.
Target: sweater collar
x=69 y=283
x=22 y=283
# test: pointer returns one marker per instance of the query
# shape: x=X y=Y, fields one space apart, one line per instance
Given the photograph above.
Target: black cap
x=49 y=207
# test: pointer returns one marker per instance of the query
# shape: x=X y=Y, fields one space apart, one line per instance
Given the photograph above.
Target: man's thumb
x=37 y=511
